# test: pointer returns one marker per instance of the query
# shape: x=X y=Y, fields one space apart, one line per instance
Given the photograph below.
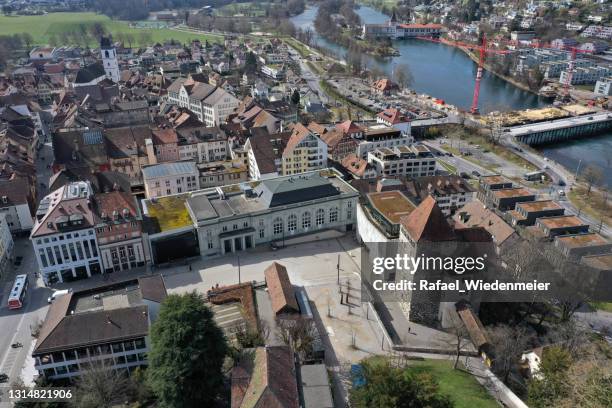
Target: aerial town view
x=305 y=203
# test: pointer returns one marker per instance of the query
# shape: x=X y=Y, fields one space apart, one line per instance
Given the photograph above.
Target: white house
x=170 y=178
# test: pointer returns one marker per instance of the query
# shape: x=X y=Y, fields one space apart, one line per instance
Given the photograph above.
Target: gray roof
x=207 y=204
x=315 y=386
x=290 y=190
x=169 y=169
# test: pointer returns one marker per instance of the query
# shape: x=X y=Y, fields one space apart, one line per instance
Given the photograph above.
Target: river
x=447 y=73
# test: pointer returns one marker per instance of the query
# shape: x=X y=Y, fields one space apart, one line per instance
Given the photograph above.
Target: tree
x=295 y=97
x=592 y=175
x=390 y=387
x=459 y=335
x=187 y=353
x=101 y=387
x=402 y=75
x=299 y=334
x=508 y=343
x=549 y=383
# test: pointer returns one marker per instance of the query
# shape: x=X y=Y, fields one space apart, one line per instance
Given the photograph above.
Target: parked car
x=475 y=173
x=3 y=378
x=464 y=175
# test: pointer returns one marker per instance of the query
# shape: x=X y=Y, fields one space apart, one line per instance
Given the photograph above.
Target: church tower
x=109 y=59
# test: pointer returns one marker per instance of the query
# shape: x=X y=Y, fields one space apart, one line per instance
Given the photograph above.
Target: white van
x=57 y=294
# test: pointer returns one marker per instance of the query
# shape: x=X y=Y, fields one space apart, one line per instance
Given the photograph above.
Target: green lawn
x=43 y=28
x=605 y=306
x=462 y=387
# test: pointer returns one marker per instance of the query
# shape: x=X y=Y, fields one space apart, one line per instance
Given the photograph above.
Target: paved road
x=15 y=325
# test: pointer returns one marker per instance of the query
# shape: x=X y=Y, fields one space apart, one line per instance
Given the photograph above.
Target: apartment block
x=575 y=246
x=550 y=227
x=506 y=198
x=527 y=213
x=411 y=161
x=170 y=178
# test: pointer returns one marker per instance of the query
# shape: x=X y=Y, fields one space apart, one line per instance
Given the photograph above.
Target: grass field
x=462 y=387
x=459 y=385
x=43 y=28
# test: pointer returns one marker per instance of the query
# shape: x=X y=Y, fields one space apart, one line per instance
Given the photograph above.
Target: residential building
x=474 y=214
x=603 y=86
x=304 y=151
x=506 y=198
x=211 y=104
x=119 y=231
x=170 y=178
x=588 y=75
x=384 y=87
x=527 y=213
x=597 y=31
x=381 y=136
x=274 y=71
x=396 y=119
x=358 y=168
x=411 y=161
x=550 y=227
x=339 y=144
x=105 y=327
x=221 y=173
x=17 y=203
x=575 y=246
x=63 y=236
x=241 y=216
x=202 y=144
x=450 y=192
x=6 y=246
x=264 y=152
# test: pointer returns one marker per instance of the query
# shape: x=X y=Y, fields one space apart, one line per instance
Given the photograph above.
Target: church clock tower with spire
x=109 y=59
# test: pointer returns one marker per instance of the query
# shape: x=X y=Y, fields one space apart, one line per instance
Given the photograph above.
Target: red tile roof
x=280 y=289
x=427 y=223
x=348 y=126
x=392 y=116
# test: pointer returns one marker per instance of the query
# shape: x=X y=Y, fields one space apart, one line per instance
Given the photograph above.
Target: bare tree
x=508 y=343
x=402 y=75
x=101 y=387
x=298 y=333
x=459 y=336
x=592 y=175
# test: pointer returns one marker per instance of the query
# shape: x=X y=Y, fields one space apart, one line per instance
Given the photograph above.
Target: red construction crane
x=482 y=52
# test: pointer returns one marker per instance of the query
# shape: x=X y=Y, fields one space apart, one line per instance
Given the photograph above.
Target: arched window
x=333 y=215
x=106 y=53
x=277 y=226
x=320 y=219
x=306 y=220
x=292 y=223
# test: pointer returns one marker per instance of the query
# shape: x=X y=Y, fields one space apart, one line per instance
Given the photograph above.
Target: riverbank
x=488 y=68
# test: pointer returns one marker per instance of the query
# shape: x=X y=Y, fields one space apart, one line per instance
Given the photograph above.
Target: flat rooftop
x=248 y=198
x=603 y=262
x=561 y=222
x=512 y=192
x=494 y=179
x=582 y=240
x=541 y=205
x=525 y=130
x=167 y=213
x=393 y=205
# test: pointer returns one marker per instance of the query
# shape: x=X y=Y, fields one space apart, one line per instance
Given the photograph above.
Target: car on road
x=475 y=173
x=464 y=175
x=3 y=378
x=561 y=183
